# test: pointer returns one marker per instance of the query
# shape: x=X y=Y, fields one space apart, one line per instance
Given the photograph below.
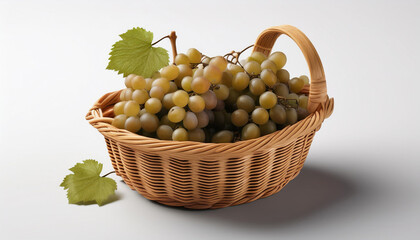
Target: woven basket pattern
x=207 y=175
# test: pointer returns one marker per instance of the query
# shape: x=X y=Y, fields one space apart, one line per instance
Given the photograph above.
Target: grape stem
x=172 y=37
x=108 y=174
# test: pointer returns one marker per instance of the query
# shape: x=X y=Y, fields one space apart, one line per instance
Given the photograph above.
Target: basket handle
x=318 y=86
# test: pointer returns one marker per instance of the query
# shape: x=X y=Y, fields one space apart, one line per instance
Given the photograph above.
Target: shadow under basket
x=209 y=175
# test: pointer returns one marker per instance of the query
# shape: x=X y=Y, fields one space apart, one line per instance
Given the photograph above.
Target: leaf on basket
x=135 y=54
x=86 y=185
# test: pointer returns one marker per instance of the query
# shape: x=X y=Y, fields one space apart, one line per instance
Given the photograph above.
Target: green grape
x=197 y=135
x=206 y=60
x=194 y=55
x=219 y=120
x=167 y=101
x=200 y=85
x=122 y=95
x=165 y=121
x=156 y=92
x=278 y=114
x=257 y=86
x=303 y=101
x=131 y=108
x=149 y=122
x=240 y=81
x=250 y=131
x=163 y=83
x=302 y=113
x=258 y=57
x=220 y=106
x=180 y=98
x=283 y=76
x=293 y=99
x=140 y=96
x=182 y=59
x=190 y=121
x=138 y=82
x=128 y=94
x=268 y=100
x=253 y=68
x=153 y=105
x=210 y=99
x=281 y=89
x=184 y=70
x=164 y=132
x=172 y=87
x=213 y=74
x=268 y=64
x=186 y=83
x=296 y=85
x=268 y=128
x=227 y=78
x=224 y=136
x=239 y=118
x=176 y=114
x=156 y=75
x=198 y=72
x=202 y=119
x=119 y=121
x=246 y=103
x=305 y=79
x=291 y=116
x=133 y=124
x=233 y=96
x=196 y=103
x=268 y=77
x=149 y=82
x=279 y=59
x=142 y=111
x=128 y=79
x=260 y=116
x=119 y=108
x=169 y=72
x=219 y=62
x=234 y=69
x=221 y=91
x=180 y=134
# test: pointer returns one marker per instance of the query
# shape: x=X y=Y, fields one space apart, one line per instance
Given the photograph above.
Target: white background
x=361 y=178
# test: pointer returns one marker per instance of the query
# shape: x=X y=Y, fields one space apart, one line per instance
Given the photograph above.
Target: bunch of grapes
x=212 y=99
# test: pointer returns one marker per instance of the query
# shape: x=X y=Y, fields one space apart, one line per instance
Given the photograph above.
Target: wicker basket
x=208 y=175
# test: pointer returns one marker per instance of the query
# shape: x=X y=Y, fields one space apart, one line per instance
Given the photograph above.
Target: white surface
x=361 y=178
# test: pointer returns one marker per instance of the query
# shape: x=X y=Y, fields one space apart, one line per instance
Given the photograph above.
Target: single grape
x=219 y=120
x=268 y=100
x=157 y=92
x=221 y=91
x=202 y=119
x=128 y=79
x=219 y=62
x=119 y=108
x=138 y=82
x=119 y=121
x=196 y=103
x=291 y=116
x=257 y=86
x=194 y=55
x=206 y=60
x=283 y=76
x=180 y=134
x=233 y=96
x=239 y=117
x=210 y=99
x=252 y=68
x=240 y=81
x=246 y=103
x=197 y=135
x=181 y=58
x=163 y=83
x=227 y=78
x=131 y=108
x=213 y=74
x=180 y=98
x=128 y=94
x=281 y=89
x=305 y=79
x=184 y=70
x=133 y=124
x=224 y=136
x=302 y=113
x=268 y=128
x=278 y=114
x=190 y=121
x=198 y=72
x=293 y=99
x=268 y=64
x=176 y=114
x=169 y=72
x=186 y=83
x=296 y=85
x=279 y=59
x=303 y=101
x=172 y=87
x=140 y=96
x=220 y=106
x=250 y=131
x=260 y=116
x=167 y=101
x=149 y=122
x=164 y=132
x=149 y=82
x=258 y=57
x=268 y=77
x=122 y=95
x=234 y=69
x=200 y=85
x=165 y=121
x=153 y=105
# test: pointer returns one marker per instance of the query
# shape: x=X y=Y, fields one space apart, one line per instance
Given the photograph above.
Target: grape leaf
x=135 y=54
x=85 y=185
